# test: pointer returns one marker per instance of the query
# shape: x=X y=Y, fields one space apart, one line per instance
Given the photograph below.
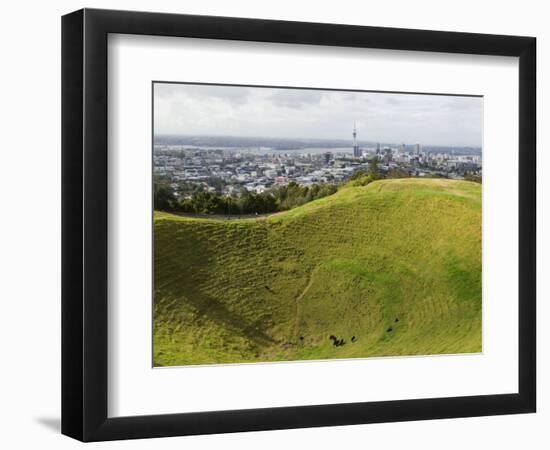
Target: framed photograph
x=272 y=224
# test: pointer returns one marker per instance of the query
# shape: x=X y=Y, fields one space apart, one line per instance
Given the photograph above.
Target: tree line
x=277 y=199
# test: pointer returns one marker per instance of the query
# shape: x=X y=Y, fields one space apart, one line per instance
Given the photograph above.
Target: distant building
x=418 y=149
x=356 y=151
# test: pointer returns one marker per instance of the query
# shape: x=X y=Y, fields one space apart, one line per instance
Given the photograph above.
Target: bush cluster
x=277 y=199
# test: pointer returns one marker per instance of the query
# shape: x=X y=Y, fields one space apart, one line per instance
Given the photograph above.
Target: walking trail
x=298 y=302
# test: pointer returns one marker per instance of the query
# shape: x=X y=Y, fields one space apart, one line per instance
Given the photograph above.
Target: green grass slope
x=397 y=264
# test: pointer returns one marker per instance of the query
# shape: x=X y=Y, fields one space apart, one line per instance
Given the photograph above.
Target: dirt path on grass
x=298 y=302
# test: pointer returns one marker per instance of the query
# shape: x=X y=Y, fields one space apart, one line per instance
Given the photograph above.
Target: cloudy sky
x=292 y=113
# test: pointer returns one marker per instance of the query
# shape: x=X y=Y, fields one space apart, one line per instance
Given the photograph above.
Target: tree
x=358 y=175
x=163 y=197
x=398 y=173
x=373 y=168
x=472 y=177
x=207 y=203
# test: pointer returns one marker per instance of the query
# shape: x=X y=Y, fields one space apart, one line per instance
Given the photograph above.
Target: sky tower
x=356 y=151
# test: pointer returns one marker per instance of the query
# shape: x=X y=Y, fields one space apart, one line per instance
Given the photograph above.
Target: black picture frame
x=84 y=224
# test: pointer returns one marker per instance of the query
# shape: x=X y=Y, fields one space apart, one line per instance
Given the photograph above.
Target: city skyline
x=282 y=113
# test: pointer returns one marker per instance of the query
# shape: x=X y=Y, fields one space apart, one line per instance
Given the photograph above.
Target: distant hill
x=395 y=264
x=239 y=141
x=297 y=144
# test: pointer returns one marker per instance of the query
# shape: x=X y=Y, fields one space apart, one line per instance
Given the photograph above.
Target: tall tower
x=356 y=151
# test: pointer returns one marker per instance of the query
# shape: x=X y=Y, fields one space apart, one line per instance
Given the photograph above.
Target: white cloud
x=193 y=109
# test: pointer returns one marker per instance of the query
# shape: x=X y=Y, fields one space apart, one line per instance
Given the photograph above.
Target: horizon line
x=155 y=135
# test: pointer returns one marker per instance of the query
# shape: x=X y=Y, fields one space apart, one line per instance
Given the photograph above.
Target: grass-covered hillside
x=395 y=265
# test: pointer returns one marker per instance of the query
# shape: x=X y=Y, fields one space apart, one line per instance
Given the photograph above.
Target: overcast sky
x=294 y=113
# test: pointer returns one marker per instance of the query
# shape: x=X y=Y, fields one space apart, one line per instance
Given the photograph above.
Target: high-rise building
x=418 y=149
x=356 y=151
